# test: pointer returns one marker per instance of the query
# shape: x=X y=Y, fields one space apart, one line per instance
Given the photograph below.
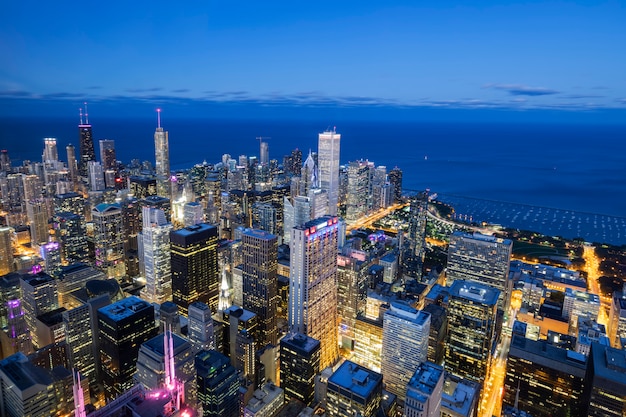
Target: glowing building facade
x=328 y=162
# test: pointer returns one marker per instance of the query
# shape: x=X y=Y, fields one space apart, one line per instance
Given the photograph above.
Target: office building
x=395 y=178
x=328 y=162
x=405 y=346
x=9 y=290
x=481 y=258
x=86 y=144
x=368 y=342
x=17 y=337
x=194 y=266
x=580 y=304
x=151 y=363
x=545 y=380
x=617 y=319
x=606 y=378
x=193 y=213
x=459 y=397
x=109 y=239
x=354 y=390
x=122 y=328
x=39 y=296
x=438 y=332
x=162 y=156
x=471 y=329
x=72 y=167
x=37 y=213
x=200 y=326
x=107 y=154
x=218 y=385
x=423 y=393
x=142 y=186
x=72 y=278
x=70 y=232
x=313 y=290
x=95 y=173
x=358 y=192
x=6 y=250
x=265 y=402
x=26 y=390
x=51 y=255
x=168 y=317
x=351 y=296
x=260 y=281
x=155 y=257
x=299 y=363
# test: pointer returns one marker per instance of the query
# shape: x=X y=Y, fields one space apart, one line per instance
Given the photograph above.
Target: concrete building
x=423 y=392
x=354 y=390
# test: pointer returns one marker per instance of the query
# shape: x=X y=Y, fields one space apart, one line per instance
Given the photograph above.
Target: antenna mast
x=158 y=118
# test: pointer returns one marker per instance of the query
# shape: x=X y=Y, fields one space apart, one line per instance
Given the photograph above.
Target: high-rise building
x=471 y=329
x=85 y=140
x=299 y=363
x=423 y=393
x=368 y=342
x=162 y=156
x=617 y=319
x=70 y=203
x=351 y=296
x=122 y=328
x=545 y=380
x=109 y=239
x=50 y=152
x=405 y=346
x=264 y=152
x=154 y=256
x=74 y=277
x=218 y=385
x=481 y=258
x=313 y=284
x=354 y=390
x=193 y=213
x=5 y=161
x=107 y=154
x=71 y=232
x=169 y=317
x=195 y=275
x=358 y=191
x=95 y=173
x=51 y=255
x=72 y=167
x=328 y=162
x=200 y=326
x=39 y=296
x=395 y=178
x=18 y=337
x=6 y=250
x=37 y=211
x=607 y=381
x=260 y=281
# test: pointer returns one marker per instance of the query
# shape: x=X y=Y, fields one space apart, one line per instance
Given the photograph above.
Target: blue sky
x=466 y=54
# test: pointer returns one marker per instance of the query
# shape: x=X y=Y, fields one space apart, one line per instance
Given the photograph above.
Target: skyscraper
x=39 y=296
x=358 y=193
x=109 y=239
x=423 y=394
x=194 y=266
x=154 y=255
x=264 y=152
x=481 y=258
x=471 y=329
x=405 y=346
x=50 y=152
x=107 y=154
x=123 y=326
x=200 y=326
x=38 y=221
x=71 y=164
x=71 y=232
x=395 y=178
x=299 y=363
x=607 y=378
x=354 y=390
x=6 y=250
x=328 y=162
x=313 y=284
x=162 y=154
x=218 y=385
x=260 y=281
x=85 y=140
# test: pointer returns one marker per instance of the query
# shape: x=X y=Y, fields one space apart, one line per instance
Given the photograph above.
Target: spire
x=79 y=398
x=86 y=114
x=80 y=113
x=158 y=118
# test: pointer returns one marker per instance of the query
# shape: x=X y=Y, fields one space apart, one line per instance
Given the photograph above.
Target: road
x=592 y=268
x=374 y=217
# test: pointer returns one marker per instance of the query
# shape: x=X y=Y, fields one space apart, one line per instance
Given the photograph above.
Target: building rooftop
x=318 y=223
x=53 y=317
x=301 y=342
x=474 y=291
x=192 y=230
x=482 y=238
x=548 y=273
x=407 y=312
x=582 y=296
x=104 y=207
x=459 y=395
x=124 y=308
x=424 y=380
x=263 y=396
x=356 y=379
x=21 y=372
x=259 y=234
x=35 y=280
x=241 y=313
x=609 y=363
x=156 y=344
x=545 y=354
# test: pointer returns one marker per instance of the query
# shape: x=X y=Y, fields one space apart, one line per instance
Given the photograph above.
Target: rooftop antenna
x=158 y=118
x=80 y=112
x=86 y=114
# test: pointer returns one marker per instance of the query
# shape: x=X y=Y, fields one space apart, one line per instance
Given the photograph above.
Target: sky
x=529 y=55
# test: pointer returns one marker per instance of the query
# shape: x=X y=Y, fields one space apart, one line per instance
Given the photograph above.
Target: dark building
x=545 y=380
x=194 y=266
x=260 y=282
x=395 y=178
x=158 y=202
x=87 y=149
x=70 y=202
x=299 y=363
x=606 y=377
x=142 y=186
x=218 y=385
x=122 y=328
x=70 y=231
x=438 y=332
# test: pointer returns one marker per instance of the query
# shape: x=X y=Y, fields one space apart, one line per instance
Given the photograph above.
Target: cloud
x=94 y=87
x=522 y=90
x=15 y=93
x=582 y=96
x=181 y=90
x=144 y=90
x=61 y=95
x=621 y=100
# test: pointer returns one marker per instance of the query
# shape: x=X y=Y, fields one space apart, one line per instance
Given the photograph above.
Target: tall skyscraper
x=264 y=152
x=405 y=346
x=471 y=329
x=109 y=239
x=195 y=275
x=218 y=385
x=200 y=326
x=18 y=334
x=5 y=161
x=313 y=284
x=154 y=255
x=328 y=162
x=96 y=176
x=71 y=233
x=481 y=258
x=72 y=167
x=395 y=178
x=85 y=140
x=39 y=296
x=107 y=154
x=358 y=193
x=50 y=152
x=6 y=250
x=123 y=326
x=260 y=281
x=354 y=390
x=299 y=363
x=38 y=221
x=162 y=154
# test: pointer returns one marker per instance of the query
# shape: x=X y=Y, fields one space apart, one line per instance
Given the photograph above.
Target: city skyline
x=462 y=55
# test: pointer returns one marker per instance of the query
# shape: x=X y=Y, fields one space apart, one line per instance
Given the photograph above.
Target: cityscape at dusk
x=336 y=209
